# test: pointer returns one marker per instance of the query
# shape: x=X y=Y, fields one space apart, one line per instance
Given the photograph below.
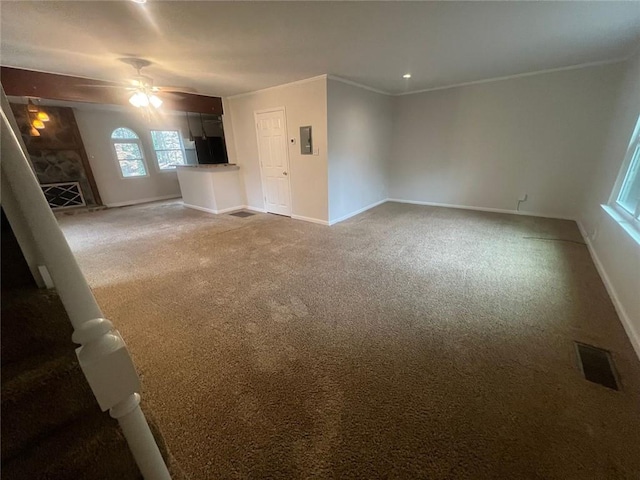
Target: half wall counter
x=211 y=188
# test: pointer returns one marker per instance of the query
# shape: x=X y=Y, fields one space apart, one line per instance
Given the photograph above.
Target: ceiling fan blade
x=177 y=89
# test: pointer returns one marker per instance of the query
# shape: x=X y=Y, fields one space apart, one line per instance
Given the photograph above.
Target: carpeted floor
x=408 y=342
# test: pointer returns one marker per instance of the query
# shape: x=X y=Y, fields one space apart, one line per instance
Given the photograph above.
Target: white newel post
x=103 y=355
x=109 y=369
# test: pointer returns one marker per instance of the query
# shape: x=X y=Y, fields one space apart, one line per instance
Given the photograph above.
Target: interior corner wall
x=9 y=203
x=616 y=253
x=305 y=104
x=487 y=144
x=360 y=126
x=96 y=125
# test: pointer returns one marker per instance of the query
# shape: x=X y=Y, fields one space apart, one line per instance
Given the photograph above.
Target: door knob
x=284 y=173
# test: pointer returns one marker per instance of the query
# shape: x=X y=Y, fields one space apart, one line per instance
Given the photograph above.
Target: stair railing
x=103 y=355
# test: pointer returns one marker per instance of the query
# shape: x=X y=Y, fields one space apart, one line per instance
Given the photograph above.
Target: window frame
x=633 y=163
x=137 y=141
x=155 y=152
x=616 y=210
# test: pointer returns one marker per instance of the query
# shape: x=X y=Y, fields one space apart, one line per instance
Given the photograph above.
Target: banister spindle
x=103 y=355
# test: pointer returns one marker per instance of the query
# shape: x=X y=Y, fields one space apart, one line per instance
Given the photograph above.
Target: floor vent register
x=597 y=365
x=242 y=214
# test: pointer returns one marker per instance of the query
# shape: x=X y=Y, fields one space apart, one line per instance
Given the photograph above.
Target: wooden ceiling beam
x=51 y=86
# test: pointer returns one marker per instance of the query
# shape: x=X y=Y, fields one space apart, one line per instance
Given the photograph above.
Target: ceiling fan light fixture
x=155 y=101
x=34 y=132
x=42 y=116
x=37 y=124
x=139 y=99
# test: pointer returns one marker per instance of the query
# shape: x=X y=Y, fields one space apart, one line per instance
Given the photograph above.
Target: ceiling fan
x=143 y=92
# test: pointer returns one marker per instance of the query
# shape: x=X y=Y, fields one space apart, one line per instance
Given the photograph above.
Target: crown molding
x=444 y=87
x=275 y=87
x=356 y=84
x=520 y=75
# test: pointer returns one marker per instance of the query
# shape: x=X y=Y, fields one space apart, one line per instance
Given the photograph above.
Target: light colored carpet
x=408 y=342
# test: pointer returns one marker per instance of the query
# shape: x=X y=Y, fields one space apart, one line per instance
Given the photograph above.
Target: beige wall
x=305 y=103
x=616 y=252
x=96 y=122
x=559 y=137
x=360 y=124
x=485 y=145
x=95 y=125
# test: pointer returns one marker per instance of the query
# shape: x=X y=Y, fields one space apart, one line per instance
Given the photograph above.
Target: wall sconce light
x=36 y=118
x=31 y=107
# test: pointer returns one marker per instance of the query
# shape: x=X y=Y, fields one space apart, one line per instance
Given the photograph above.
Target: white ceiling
x=229 y=48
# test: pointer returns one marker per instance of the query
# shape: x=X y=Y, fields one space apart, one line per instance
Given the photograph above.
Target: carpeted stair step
x=89 y=448
x=51 y=425
x=34 y=322
x=39 y=395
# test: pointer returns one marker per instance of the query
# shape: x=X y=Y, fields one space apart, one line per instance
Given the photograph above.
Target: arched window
x=128 y=150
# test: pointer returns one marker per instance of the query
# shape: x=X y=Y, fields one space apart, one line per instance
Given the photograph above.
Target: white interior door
x=274 y=161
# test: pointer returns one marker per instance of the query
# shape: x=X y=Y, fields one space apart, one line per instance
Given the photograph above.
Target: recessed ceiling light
x=139 y=1
x=406 y=75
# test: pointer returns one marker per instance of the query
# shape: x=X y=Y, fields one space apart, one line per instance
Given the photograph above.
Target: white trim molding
x=357 y=212
x=626 y=222
x=483 y=209
x=255 y=209
x=625 y=319
x=275 y=87
x=310 y=219
x=141 y=200
x=442 y=87
x=210 y=210
x=517 y=75
x=360 y=85
x=225 y=210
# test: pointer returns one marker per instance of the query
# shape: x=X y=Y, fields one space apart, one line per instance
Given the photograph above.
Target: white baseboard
x=141 y=200
x=216 y=212
x=633 y=335
x=309 y=219
x=202 y=209
x=230 y=209
x=430 y=204
x=482 y=209
x=357 y=212
x=225 y=210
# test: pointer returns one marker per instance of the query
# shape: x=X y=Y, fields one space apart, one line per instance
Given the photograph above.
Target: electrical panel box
x=306 y=142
